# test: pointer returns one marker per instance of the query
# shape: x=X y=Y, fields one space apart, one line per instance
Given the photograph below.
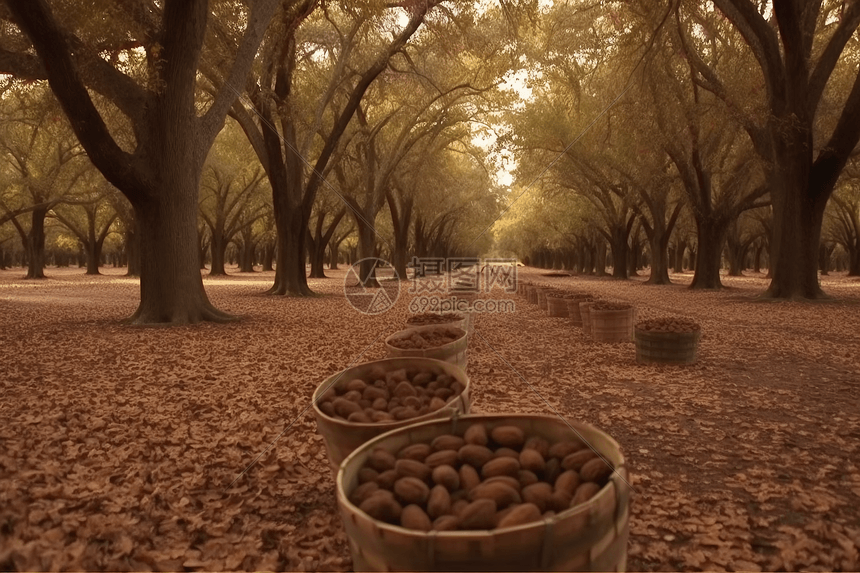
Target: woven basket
x=453 y=352
x=611 y=325
x=584 y=307
x=666 y=347
x=556 y=306
x=342 y=437
x=573 y=308
x=541 y=297
x=589 y=537
x=531 y=294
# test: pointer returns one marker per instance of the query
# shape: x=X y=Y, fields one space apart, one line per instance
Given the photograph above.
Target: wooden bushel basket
x=611 y=325
x=573 y=309
x=666 y=347
x=584 y=308
x=531 y=294
x=342 y=437
x=589 y=537
x=541 y=297
x=453 y=352
x=556 y=306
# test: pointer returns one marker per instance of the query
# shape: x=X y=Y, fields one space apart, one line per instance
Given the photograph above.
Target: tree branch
x=36 y=20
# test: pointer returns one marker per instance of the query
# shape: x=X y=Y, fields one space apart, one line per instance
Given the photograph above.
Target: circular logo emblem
x=371 y=286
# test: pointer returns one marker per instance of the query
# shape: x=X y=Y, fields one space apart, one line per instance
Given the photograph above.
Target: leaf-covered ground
x=126 y=448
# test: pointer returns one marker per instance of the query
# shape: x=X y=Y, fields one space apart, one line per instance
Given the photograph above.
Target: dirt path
x=120 y=447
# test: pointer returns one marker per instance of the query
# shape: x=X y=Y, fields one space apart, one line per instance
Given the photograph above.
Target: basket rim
x=425 y=328
x=342 y=498
x=628 y=309
x=458 y=373
x=697 y=331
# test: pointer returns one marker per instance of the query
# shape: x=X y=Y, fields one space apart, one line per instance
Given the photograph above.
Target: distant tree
x=93 y=228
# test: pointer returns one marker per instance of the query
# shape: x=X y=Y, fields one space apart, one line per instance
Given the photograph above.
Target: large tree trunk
x=600 y=259
x=171 y=287
x=797 y=234
x=658 y=243
x=757 y=257
x=711 y=236
x=400 y=261
x=401 y=217
x=316 y=250
x=854 y=263
x=319 y=241
x=620 y=252
x=825 y=251
x=583 y=259
x=333 y=254
x=93 y=247
x=92 y=262
x=736 y=252
x=94 y=255
x=290 y=273
x=246 y=260
x=36 y=245
x=217 y=248
x=132 y=251
x=680 y=251
x=367 y=252
x=633 y=260
x=268 y=256
x=797 y=220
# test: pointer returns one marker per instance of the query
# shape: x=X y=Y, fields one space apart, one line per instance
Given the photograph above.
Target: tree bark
x=246 y=255
x=290 y=273
x=320 y=240
x=217 y=248
x=268 y=256
x=36 y=244
x=317 y=256
x=798 y=214
x=171 y=287
x=711 y=236
x=132 y=249
x=825 y=251
x=619 y=259
x=680 y=251
x=658 y=243
x=600 y=259
x=366 y=253
x=400 y=208
x=332 y=256
x=757 y=257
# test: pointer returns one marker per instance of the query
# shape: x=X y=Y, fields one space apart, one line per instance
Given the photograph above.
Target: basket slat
x=557 y=307
x=611 y=325
x=666 y=347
